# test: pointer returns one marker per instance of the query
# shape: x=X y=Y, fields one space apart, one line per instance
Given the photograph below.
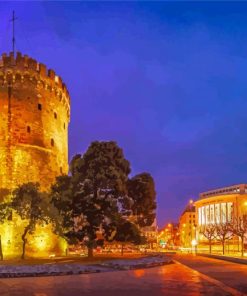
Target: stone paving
x=172 y=279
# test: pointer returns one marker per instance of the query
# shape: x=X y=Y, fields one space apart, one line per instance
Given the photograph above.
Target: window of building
x=61 y=170
x=29 y=129
x=55 y=115
x=39 y=106
x=64 y=126
x=52 y=142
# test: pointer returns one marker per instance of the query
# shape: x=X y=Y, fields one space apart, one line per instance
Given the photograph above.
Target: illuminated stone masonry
x=35 y=113
x=34 y=119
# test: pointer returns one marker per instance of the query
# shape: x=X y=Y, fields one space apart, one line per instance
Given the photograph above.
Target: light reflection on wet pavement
x=170 y=279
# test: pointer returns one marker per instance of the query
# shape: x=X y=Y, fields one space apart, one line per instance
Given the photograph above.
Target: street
x=231 y=274
x=174 y=279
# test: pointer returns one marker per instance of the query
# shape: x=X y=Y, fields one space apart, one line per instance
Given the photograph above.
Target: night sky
x=167 y=81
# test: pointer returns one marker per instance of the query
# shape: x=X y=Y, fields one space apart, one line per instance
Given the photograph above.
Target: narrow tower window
x=39 y=106
x=29 y=129
x=55 y=115
x=64 y=126
x=52 y=142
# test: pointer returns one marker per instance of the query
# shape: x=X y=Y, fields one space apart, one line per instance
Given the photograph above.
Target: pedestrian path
x=172 y=279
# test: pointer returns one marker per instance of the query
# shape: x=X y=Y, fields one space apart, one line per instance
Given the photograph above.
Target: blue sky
x=166 y=80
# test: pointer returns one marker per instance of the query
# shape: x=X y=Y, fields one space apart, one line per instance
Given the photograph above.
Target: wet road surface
x=173 y=279
x=231 y=274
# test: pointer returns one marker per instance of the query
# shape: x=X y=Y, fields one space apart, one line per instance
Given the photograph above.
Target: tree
x=239 y=228
x=141 y=189
x=97 y=192
x=223 y=232
x=61 y=199
x=30 y=204
x=209 y=231
x=127 y=232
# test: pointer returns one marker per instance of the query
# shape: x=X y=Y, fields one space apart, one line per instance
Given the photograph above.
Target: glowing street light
x=193 y=242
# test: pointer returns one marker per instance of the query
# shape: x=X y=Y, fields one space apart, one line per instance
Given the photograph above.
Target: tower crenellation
x=35 y=113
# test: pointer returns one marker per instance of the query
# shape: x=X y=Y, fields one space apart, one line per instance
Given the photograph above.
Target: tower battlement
x=35 y=113
x=23 y=67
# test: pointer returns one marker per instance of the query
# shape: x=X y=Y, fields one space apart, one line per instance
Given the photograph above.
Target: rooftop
x=234 y=189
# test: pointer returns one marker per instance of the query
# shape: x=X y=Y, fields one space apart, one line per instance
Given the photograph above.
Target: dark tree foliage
x=30 y=204
x=127 y=232
x=104 y=165
x=141 y=189
x=61 y=197
x=95 y=193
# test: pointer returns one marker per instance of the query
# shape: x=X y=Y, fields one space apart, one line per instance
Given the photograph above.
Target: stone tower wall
x=34 y=118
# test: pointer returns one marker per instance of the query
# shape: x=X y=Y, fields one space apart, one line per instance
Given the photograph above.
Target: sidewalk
x=233 y=259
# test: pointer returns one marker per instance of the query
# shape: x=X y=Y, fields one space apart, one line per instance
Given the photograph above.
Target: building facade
x=187 y=227
x=35 y=114
x=220 y=206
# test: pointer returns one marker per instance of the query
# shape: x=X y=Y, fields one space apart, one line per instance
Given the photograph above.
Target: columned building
x=220 y=206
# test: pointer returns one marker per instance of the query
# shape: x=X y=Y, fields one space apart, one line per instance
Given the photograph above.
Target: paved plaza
x=173 y=279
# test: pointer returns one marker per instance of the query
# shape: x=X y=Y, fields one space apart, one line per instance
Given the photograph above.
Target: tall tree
x=141 y=189
x=30 y=204
x=97 y=189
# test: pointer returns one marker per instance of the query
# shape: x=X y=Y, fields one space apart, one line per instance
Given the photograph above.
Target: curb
x=224 y=258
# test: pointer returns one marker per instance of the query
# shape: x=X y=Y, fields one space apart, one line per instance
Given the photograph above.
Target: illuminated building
x=151 y=233
x=35 y=113
x=220 y=206
x=187 y=226
x=169 y=236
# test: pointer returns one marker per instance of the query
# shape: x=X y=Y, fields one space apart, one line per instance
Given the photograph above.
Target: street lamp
x=194 y=244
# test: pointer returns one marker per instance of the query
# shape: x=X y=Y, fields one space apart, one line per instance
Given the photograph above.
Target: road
x=231 y=274
x=173 y=279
